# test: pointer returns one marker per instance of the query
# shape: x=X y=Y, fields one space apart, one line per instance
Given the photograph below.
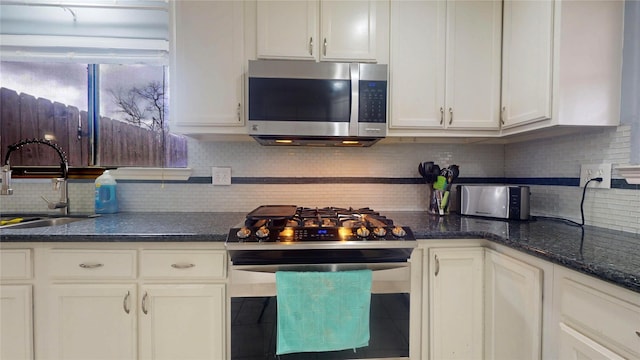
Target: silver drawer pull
x=144 y=303
x=182 y=266
x=91 y=265
x=125 y=303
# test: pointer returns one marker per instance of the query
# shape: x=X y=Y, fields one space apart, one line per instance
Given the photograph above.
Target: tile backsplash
x=550 y=157
x=562 y=156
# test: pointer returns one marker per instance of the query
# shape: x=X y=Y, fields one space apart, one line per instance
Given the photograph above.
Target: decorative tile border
x=550 y=181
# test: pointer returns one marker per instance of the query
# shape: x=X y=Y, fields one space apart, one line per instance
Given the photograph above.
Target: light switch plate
x=221 y=176
x=590 y=171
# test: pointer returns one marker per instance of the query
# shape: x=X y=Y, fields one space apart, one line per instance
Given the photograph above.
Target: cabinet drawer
x=190 y=264
x=15 y=264
x=606 y=318
x=92 y=264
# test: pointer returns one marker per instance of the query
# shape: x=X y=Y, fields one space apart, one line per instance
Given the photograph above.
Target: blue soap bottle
x=106 y=194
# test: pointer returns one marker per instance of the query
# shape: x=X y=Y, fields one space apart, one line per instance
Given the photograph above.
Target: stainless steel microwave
x=294 y=102
x=501 y=201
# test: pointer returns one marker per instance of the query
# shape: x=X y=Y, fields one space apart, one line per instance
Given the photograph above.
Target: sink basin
x=29 y=222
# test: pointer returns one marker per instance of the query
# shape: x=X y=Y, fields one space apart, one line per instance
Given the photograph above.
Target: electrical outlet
x=590 y=171
x=221 y=176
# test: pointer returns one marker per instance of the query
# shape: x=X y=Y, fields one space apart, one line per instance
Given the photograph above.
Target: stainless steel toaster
x=496 y=201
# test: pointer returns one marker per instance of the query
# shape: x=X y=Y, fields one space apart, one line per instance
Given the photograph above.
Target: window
x=90 y=76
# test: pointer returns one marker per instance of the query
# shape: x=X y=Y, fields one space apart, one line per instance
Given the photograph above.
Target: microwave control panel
x=373 y=101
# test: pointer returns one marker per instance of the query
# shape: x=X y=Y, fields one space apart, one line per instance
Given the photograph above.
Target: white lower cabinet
x=91 y=321
x=133 y=303
x=16 y=304
x=455 y=303
x=574 y=345
x=480 y=303
x=595 y=319
x=513 y=308
x=182 y=321
x=16 y=322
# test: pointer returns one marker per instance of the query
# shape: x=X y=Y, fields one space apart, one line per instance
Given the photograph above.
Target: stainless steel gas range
x=287 y=235
x=291 y=238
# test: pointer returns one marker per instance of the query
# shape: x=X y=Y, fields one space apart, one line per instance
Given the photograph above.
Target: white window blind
x=88 y=31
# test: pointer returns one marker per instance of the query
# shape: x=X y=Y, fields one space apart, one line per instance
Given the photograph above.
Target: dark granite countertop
x=613 y=256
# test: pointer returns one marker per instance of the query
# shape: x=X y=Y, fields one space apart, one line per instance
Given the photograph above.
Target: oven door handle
x=321 y=267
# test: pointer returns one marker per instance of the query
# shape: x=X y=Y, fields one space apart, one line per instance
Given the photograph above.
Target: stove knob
x=380 y=232
x=398 y=231
x=263 y=232
x=243 y=233
x=363 y=232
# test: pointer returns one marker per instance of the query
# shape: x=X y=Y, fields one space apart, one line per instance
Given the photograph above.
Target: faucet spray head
x=6 y=181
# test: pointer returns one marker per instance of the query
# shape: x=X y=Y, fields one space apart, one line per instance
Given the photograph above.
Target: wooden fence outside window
x=23 y=116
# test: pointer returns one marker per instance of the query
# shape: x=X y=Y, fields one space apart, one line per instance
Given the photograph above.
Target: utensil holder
x=438 y=202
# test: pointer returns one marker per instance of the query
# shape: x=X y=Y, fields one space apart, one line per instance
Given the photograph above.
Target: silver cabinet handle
x=182 y=266
x=638 y=333
x=437 y=265
x=504 y=108
x=125 y=303
x=311 y=46
x=324 y=47
x=441 y=115
x=239 y=113
x=144 y=303
x=91 y=265
x=451 y=116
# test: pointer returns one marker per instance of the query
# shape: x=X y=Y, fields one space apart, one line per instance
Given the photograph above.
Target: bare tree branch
x=144 y=106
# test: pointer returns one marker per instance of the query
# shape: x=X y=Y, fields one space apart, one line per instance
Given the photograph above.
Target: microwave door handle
x=354 y=72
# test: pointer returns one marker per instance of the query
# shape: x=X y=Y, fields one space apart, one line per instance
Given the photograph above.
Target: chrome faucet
x=59 y=184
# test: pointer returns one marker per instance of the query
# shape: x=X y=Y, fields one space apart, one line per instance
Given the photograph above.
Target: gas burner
x=322 y=222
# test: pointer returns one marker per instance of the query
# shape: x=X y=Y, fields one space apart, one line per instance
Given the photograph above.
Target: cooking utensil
x=426 y=170
x=441 y=183
x=435 y=172
x=272 y=212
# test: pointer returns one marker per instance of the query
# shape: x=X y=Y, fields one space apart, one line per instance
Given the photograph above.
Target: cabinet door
x=456 y=303
x=183 y=322
x=207 y=66
x=473 y=64
x=91 y=322
x=417 y=64
x=526 y=61
x=287 y=29
x=513 y=308
x=574 y=345
x=16 y=322
x=348 y=30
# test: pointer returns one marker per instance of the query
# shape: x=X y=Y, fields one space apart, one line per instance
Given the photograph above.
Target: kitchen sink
x=36 y=221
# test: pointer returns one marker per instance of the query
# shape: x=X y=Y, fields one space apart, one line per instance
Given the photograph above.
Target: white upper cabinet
x=317 y=30
x=562 y=64
x=207 y=67
x=417 y=69
x=287 y=29
x=444 y=66
x=526 y=61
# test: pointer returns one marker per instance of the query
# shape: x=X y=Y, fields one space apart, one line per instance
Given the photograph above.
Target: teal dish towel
x=322 y=311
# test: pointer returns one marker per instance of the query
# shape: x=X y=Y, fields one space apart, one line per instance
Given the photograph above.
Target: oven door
x=253 y=311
